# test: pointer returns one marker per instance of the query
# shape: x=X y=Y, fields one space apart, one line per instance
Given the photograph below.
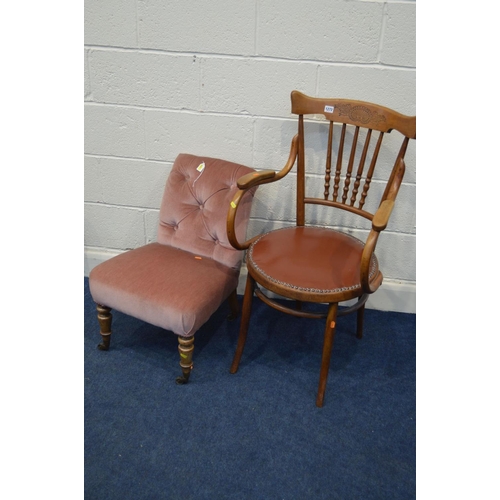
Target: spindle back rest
x=348 y=175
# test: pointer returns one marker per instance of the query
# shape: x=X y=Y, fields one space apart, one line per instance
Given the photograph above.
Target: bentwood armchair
x=180 y=280
x=320 y=264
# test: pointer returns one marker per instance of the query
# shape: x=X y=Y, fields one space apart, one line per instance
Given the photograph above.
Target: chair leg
x=245 y=319
x=104 y=317
x=233 y=304
x=327 y=351
x=186 y=347
x=360 y=322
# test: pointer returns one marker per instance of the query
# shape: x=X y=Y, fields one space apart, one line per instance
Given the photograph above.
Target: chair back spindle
x=347 y=180
x=328 y=161
x=338 y=168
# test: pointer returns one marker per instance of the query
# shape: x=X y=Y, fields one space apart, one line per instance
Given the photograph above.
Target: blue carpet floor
x=256 y=434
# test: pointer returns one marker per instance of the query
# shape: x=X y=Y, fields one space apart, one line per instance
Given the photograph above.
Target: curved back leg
x=245 y=320
x=327 y=351
x=360 y=322
x=233 y=304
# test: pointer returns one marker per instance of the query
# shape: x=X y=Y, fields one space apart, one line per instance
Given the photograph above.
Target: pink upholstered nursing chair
x=180 y=280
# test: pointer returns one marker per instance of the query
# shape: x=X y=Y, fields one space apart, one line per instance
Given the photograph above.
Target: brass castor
x=232 y=316
x=104 y=345
x=183 y=379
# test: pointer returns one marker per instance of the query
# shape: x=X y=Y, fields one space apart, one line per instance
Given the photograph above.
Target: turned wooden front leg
x=104 y=316
x=186 y=346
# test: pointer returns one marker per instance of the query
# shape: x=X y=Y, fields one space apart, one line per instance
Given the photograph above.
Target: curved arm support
x=371 y=243
x=381 y=217
x=249 y=181
x=395 y=181
x=231 y=217
x=379 y=223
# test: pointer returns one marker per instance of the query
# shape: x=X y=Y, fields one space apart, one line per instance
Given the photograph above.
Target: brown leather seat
x=303 y=260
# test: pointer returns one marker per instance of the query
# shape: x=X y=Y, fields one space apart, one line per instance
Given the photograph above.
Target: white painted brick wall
x=323 y=30
x=202 y=26
x=253 y=87
x=214 y=78
x=144 y=79
x=111 y=23
x=108 y=180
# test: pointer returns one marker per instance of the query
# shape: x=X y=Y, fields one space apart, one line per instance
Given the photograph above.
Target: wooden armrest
x=381 y=217
x=253 y=179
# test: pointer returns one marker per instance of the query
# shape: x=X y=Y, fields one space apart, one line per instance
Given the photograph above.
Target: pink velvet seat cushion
x=165 y=286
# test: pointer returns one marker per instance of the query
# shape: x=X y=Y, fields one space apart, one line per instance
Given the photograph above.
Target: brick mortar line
x=197 y=112
x=375 y=65
x=257 y=219
x=188 y=111
x=132 y=158
x=171 y=162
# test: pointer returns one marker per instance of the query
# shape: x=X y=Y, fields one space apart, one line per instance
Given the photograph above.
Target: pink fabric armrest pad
x=194 y=208
x=164 y=286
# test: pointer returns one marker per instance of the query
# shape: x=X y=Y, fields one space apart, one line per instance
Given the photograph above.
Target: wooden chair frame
x=351 y=198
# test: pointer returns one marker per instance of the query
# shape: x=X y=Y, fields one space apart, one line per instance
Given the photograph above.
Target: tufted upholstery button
x=201 y=207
